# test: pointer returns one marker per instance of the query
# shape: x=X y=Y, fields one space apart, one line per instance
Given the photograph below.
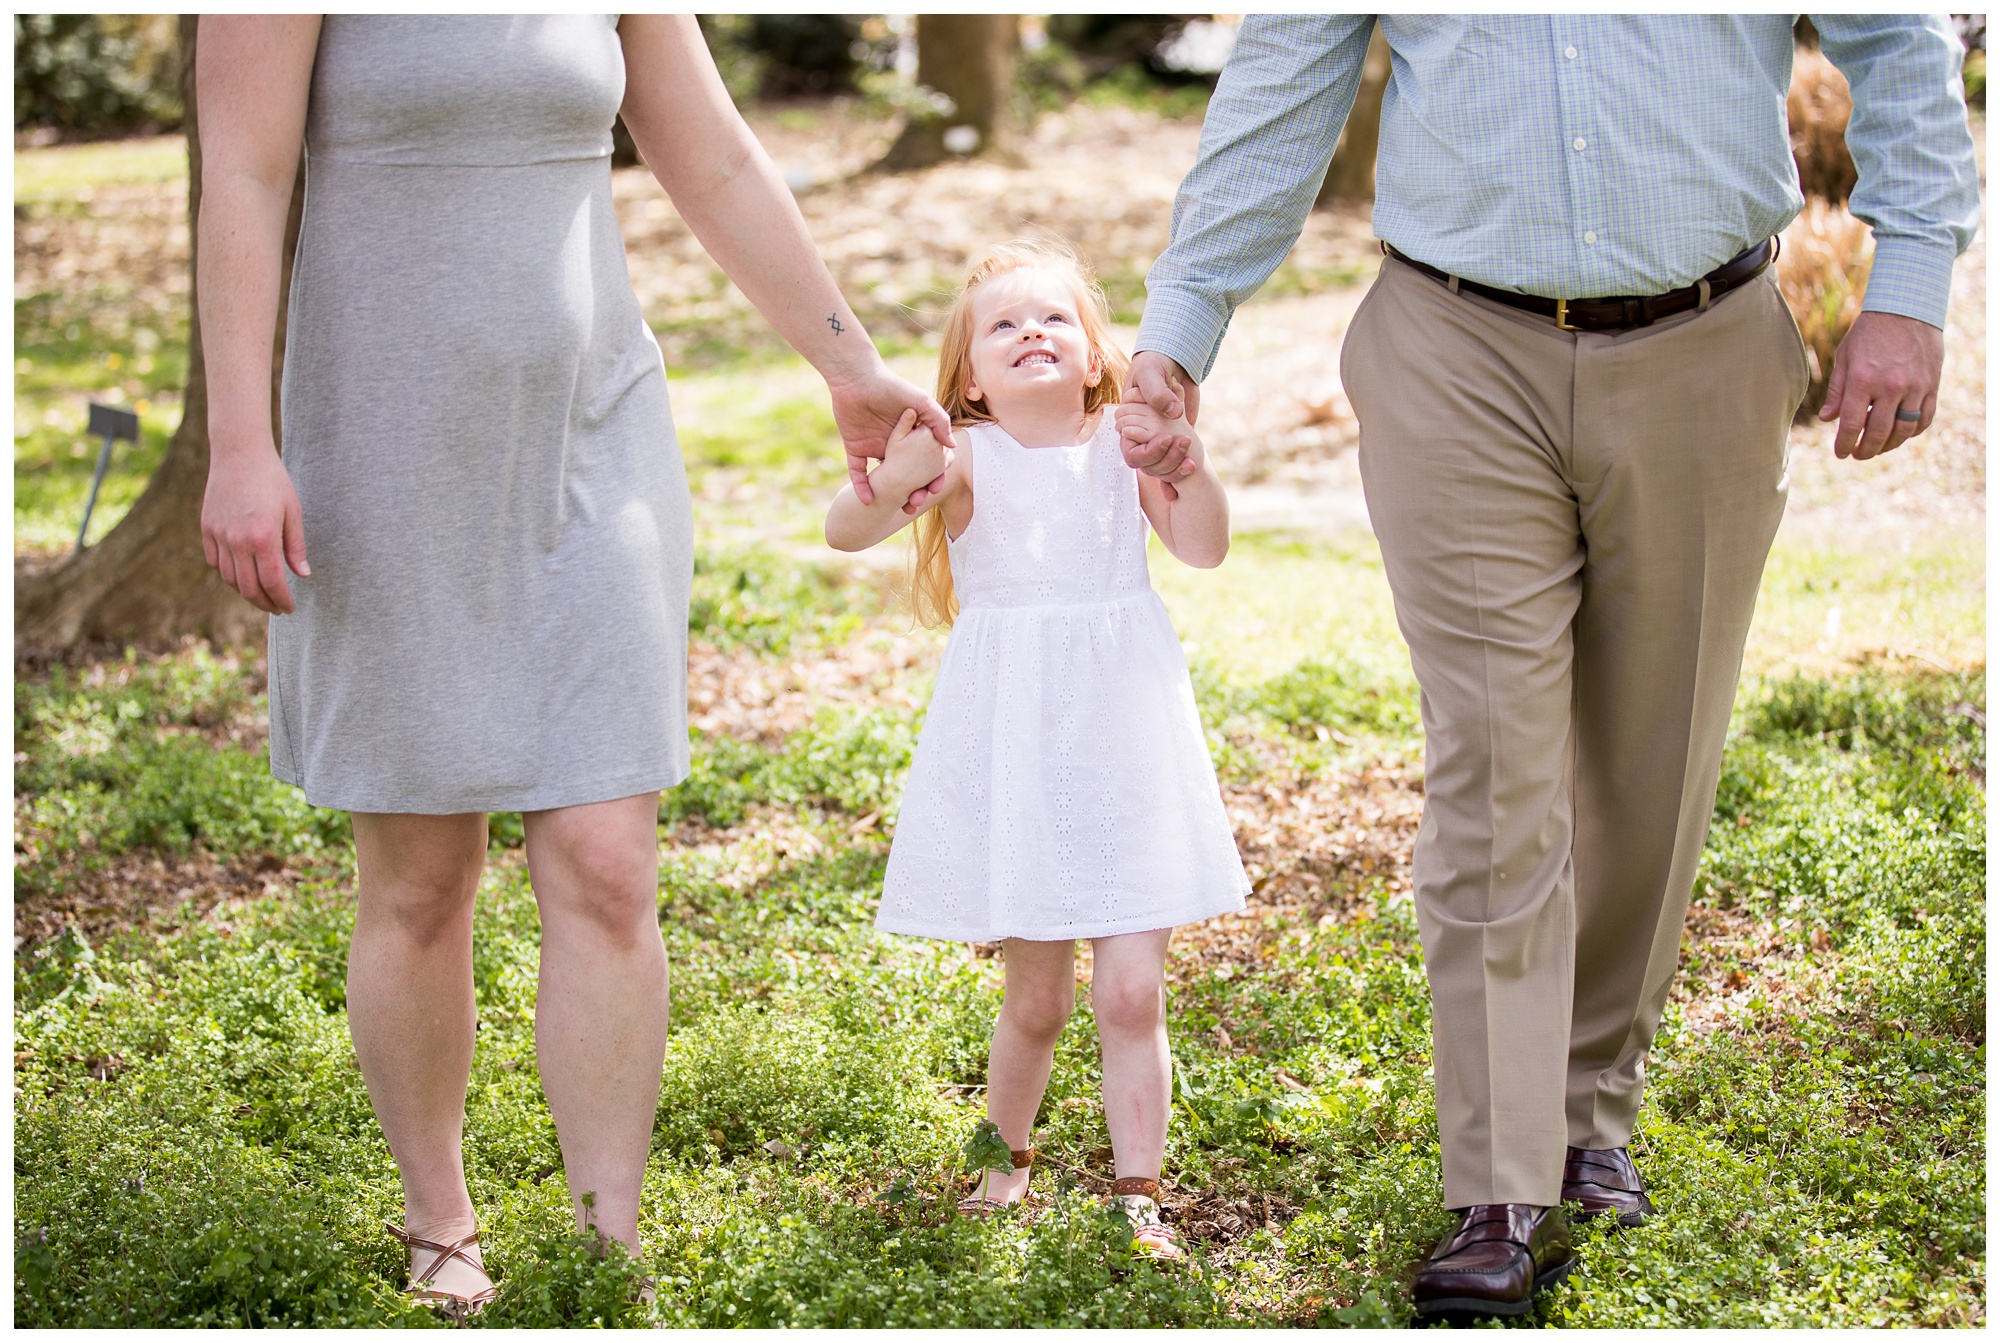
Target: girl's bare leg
x=1129 y=998
x=410 y=1007
x=1041 y=991
x=601 y=1017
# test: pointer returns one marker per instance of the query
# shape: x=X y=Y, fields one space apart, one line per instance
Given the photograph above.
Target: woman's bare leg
x=1041 y=990
x=601 y=1018
x=410 y=1007
x=1128 y=996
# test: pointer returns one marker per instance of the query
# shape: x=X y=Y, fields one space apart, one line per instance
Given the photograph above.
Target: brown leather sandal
x=1138 y=1200
x=979 y=1205
x=448 y=1304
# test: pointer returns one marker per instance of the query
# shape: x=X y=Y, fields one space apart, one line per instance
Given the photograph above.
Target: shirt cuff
x=1186 y=327
x=1911 y=278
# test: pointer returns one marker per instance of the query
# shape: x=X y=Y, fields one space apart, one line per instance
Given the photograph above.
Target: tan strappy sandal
x=451 y=1305
x=1138 y=1200
x=979 y=1205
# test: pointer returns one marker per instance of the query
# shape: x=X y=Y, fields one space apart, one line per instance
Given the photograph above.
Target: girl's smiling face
x=1028 y=342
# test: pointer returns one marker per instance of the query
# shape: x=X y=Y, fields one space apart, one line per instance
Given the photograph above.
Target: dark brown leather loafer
x=1494 y=1261
x=1606 y=1182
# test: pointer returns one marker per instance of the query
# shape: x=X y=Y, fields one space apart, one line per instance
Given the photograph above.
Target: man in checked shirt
x=1574 y=378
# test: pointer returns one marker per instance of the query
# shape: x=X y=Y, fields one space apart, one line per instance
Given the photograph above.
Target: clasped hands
x=1155 y=425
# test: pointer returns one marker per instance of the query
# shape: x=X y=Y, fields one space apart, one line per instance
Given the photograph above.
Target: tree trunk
x=146 y=581
x=969 y=58
x=1351 y=175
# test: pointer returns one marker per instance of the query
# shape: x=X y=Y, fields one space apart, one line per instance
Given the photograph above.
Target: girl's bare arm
x=1192 y=515
x=914 y=456
x=252 y=77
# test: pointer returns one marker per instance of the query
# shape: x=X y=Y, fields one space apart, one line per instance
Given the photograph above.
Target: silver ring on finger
x=1909 y=416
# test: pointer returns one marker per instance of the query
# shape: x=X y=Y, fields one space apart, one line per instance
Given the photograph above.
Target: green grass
x=95 y=340
x=193 y=1145
x=60 y=365
x=1821 y=606
x=71 y=172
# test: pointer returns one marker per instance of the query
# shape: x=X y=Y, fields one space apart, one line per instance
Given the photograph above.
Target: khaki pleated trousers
x=1574 y=526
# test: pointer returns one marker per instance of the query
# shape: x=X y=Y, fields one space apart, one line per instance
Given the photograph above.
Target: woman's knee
x=604 y=882
x=420 y=873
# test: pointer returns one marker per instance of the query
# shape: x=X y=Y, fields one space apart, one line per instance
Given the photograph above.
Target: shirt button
x=1578 y=144
x=1590 y=237
x=1569 y=53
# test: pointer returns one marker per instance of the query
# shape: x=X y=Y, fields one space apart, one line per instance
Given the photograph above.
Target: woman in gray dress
x=479 y=449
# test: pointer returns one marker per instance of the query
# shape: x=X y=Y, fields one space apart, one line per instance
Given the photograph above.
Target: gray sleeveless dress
x=475 y=419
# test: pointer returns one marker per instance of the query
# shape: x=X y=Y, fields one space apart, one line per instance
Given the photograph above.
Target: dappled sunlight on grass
x=1822 y=608
x=75 y=172
x=1813 y=1135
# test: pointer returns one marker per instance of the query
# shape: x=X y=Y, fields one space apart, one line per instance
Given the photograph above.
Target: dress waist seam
x=346 y=162
x=965 y=608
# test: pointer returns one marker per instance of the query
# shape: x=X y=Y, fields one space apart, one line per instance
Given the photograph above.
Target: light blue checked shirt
x=1567 y=155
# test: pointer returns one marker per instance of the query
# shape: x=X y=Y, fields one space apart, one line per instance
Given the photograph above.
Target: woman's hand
x=251 y=527
x=867 y=413
x=253 y=76
x=916 y=464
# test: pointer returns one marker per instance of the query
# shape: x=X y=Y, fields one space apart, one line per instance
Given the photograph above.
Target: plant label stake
x=113 y=424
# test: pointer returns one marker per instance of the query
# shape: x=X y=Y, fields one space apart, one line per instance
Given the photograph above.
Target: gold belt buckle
x=1562 y=315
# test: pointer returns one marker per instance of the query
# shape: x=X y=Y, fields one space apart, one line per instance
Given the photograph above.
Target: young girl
x=1062 y=787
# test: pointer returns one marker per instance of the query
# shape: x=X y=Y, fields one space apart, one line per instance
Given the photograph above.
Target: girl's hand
x=914 y=451
x=916 y=465
x=251 y=527
x=867 y=412
x=1149 y=435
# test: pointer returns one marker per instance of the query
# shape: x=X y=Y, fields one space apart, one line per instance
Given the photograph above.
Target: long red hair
x=932 y=593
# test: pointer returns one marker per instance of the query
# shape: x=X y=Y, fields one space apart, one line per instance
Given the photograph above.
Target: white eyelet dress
x=1062 y=787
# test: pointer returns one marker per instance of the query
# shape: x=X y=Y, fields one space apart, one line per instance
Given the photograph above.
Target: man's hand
x=866 y=412
x=1887 y=364
x=1141 y=429
x=251 y=528
x=1164 y=385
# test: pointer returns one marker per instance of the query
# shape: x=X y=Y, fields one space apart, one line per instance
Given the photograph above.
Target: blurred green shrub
x=743 y=1081
x=790 y=55
x=96 y=74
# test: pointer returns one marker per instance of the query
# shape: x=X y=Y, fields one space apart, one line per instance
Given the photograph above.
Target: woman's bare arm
x=730 y=194
x=253 y=74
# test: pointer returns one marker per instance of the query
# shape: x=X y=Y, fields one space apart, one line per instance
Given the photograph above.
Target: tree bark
x=1351 y=175
x=969 y=58
x=147 y=582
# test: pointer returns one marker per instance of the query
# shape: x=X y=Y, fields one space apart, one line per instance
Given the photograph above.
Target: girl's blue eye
x=1003 y=322
x=1057 y=317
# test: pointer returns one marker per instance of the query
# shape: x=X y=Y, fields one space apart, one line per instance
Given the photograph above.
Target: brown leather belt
x=1616 y=314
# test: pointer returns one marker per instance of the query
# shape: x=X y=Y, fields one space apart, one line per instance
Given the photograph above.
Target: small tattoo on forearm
x=834 y=322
